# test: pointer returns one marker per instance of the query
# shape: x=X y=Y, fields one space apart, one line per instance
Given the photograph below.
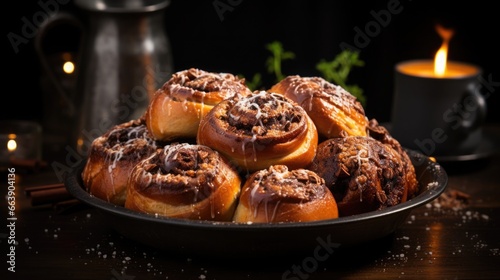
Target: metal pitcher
x=124 y=58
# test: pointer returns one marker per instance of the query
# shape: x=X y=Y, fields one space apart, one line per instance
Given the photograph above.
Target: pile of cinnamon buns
x=209 y=148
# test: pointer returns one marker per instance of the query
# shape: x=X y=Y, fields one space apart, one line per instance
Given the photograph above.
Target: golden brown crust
x=111 y=158
x=362 y=173
x=260 y=130
x=277 y=195
x=177 y=107
x=331 y=108
x=184 y=181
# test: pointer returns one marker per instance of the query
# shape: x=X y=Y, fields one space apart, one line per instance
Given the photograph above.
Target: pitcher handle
x=55 y=20
x=475 y=105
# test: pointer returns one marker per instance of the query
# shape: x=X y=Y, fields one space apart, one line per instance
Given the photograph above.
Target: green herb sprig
x=276 y=59
x=338 y=70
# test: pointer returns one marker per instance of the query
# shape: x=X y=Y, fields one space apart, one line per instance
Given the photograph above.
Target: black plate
x=248 y=240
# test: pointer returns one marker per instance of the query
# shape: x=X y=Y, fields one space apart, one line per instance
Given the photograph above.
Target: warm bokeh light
x=11 y=145
x=442 y=54
x=68 y=67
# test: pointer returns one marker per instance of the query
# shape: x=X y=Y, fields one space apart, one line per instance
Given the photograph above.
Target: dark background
x=313 y=30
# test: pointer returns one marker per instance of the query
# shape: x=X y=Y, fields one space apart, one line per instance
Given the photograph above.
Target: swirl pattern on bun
x=260 y=130
x=184 y=181
x=111 y=158
x=277 y=194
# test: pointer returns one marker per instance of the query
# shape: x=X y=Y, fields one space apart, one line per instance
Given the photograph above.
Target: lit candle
x=438 y=107
x=440 y=67
x=19 y=140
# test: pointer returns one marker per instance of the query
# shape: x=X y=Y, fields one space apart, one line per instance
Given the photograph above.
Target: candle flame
x=442 y=54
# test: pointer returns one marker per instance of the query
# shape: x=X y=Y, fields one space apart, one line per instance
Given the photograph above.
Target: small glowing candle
x=12 y=144
x=19 y=140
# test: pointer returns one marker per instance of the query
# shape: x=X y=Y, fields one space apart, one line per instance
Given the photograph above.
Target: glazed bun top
x=333 y=109
x=277 y=183
x=202 y=86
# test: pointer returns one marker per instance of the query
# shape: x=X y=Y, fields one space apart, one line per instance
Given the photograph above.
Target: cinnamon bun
x=112 y=157
x=184 y=181
x=260 y=130
x=177 y=107
x=277 y=194
x=331 y=107
x=362 y=173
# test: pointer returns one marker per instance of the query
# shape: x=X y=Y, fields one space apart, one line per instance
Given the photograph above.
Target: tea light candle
x=20 y=140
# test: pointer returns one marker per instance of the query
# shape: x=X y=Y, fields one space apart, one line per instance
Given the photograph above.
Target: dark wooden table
x=435 y=242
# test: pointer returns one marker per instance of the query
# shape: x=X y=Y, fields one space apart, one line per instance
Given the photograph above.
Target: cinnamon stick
x=50 y=196
x=29 y=190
